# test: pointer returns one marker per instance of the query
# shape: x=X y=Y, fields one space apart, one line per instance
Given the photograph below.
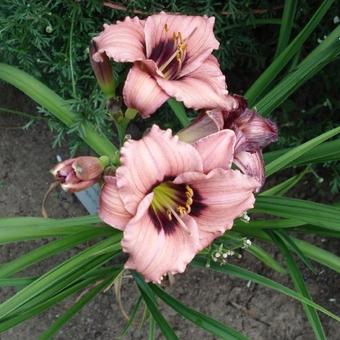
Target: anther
x=182 y=210
x=168 y=212
x=189 y=190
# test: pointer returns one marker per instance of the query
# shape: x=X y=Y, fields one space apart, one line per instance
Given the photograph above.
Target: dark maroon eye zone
x=171 y=203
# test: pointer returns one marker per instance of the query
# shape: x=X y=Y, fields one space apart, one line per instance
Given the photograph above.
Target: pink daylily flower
x=76 y=174
x=172 y=199
x=252 y=132
x=171 y=56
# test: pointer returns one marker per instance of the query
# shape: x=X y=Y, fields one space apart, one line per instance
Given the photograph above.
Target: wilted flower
x=79 y=173
x=172 y=58
x=253 y=133
x=172 y=199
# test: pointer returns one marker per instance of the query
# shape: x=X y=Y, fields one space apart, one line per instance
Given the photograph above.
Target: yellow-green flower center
x=172 y=200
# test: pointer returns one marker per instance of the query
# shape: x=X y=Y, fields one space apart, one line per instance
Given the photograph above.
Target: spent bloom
x=171 y=56
x=172 y=199
x=252 y=132
x=76 y=174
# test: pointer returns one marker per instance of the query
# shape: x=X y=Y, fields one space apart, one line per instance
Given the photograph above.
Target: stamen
x=180 y=221
x=182 y=210
x=179 y=52
x=166 y=28
x=189 y=190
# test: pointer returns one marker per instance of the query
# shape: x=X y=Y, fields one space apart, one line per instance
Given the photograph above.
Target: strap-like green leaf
x=328 y=151
x=57 y=274
x=287 y=158
x=45 y=251
x=283 y=187
x=317 y=214
x=71 y=312
x=265 y=257
x=287 y=24
x=263 y=82
x=149 y=300
x=299 y=284
x=56 y=105
x=179 y=111
x=307 y=69
x=203 y=321
x=264 y=281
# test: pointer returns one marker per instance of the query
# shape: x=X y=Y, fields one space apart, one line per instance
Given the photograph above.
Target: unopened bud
x=103 y=71
x=79 y=173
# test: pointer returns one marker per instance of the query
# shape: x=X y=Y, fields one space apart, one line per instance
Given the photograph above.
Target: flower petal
x=252 y=131
x=111 y=208
x=148 y=161
x=251 y=164
x=204 y=125
x=217 y=150
x=219 y=197
x=203 y=88
x=123 y=41
x=142 y=92
x=196 y=31
x=153 y=253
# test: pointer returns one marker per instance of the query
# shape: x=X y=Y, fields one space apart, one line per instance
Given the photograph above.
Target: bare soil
x=26 y=157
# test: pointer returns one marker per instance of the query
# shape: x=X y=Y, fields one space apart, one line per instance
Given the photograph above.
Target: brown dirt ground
x=26 y=157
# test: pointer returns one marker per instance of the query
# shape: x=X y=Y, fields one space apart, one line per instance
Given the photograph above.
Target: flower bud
x=79 y=173
x=103 y=71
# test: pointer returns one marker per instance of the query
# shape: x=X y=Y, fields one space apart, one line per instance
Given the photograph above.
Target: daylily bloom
x=76 y=174
x=253 y=133
x=171 y=56
x=172 y=199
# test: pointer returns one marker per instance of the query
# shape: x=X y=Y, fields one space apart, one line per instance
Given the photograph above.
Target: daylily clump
x=171 y=56
x=172 y=199
x=172 y=196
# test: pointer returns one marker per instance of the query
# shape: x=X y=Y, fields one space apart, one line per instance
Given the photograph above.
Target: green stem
x=57 y=106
